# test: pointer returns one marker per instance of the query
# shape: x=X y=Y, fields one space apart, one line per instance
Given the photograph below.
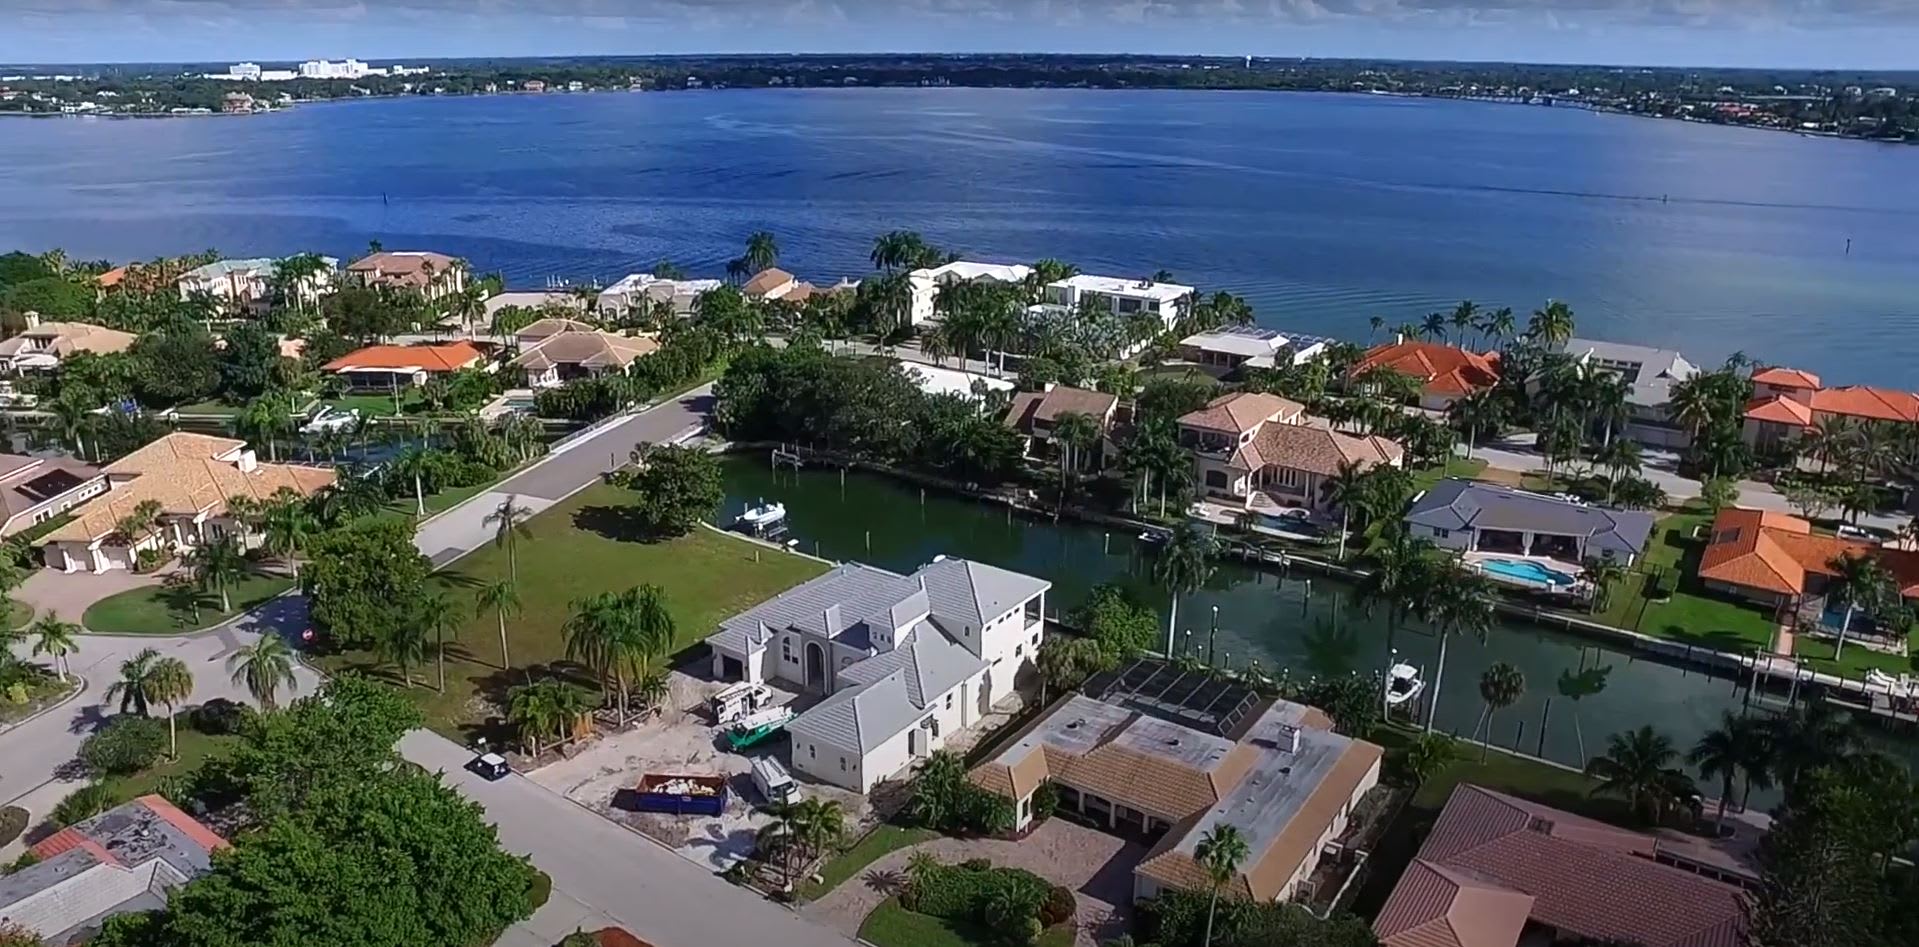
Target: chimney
x=830 y=618
x=1287 y=738
x=32 y=319
x=1399 y=338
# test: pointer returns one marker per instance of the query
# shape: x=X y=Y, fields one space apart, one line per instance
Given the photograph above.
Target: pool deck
x=1478 y=560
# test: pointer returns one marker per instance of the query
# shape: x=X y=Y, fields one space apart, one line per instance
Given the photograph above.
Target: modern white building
x=935 y=380
x=1250 y=347
x=904 y=661
x=248 y=284
x=634 y=289
x=323 y=69
x=1124 y=296
x=926 y=283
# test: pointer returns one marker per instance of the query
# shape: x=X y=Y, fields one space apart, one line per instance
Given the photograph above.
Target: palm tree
x=1638 y=768
x=1739 y=746
x=442 y=617
x=1857 y=579
x=1479 y=412
x=1434 y=326
x=411 y=463
x=1579 y=685
x=262 y=668
x=761 y=251
x=818 y=823
x=288 y=524
x=1220 y=853
x=75 y=419
x=1399 y=569
x=1345 y=489
x=1603 y=574
x=215 y=565
x=139 y=522
x=403 y=643
x=1184 y=565
x=1465 y=316
x=1498 y=325
x=1551 y=325
x=1075 y=432
x=1374 y=324
x=1427 y=755
x=509 y=525
x=135 y=686
x=1456 y=602
x=170 y=683
x=531 y=709
x=1500 y=686
x=1811 y=736
x=51 y=636
x=503 y=598
x=591 y=632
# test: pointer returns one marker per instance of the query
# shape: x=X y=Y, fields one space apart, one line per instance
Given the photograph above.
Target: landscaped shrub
x=1001 y=898
x=1059 y=906
x=147 y=560
x=220 y=716
x=13 y=821
x=977 y=864
x=126 y=745
x=82 y=804
x=539 y=889
x=1664 y=585
x=1045 y=801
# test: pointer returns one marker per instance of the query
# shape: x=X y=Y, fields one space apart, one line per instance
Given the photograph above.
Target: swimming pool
x=1527 y=571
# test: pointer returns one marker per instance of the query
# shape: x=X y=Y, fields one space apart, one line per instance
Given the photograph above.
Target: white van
x=773 y=782
x=740 y=700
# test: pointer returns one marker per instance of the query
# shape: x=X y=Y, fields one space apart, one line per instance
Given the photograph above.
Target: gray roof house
x=125 y=859
x=902 y=661
x=1481 y=517
x=1650 y=374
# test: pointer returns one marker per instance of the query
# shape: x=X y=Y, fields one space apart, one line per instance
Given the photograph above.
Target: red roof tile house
x=124 y=860
x=1263 y=452
x=1446 y=372
x=1787 y=402
x=392 y=367
x=1496 y=868
x=1033 y=414
x=1777 y=560
x=432 y=275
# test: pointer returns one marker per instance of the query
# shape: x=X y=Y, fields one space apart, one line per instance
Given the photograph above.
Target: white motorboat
x=1402 y=684
x=766 y=519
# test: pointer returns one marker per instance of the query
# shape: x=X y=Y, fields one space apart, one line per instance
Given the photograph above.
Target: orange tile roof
x=1776 y=553
x=766 y=281
x=1780 y=409
x=183 y=472
x=1865 y=401
x=1315 y=449
x=1446 y=369
x=111 y=278
x=1780 y=376
x=449 y=357
x=1241 y=411
x=1437 y=906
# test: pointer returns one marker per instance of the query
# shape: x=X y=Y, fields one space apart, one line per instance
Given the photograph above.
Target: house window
x=949 y=701
x=786 y=650
x=1036 y=639
x=1216 y=478
x=1292 y=477
x=1441 y=533
x=842 y=764
x=812 y=752
x=1018 y=650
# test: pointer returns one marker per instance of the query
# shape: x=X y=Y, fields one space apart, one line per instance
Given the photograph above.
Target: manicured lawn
x=150 y=611
x=578 y=548
x=1468 y=468
x=18 y=613
x=1856 y=661
x=195 y=749
x=893 y=926
x=220 y=408
x=1694 y=615
x=877 y=844
x=403 y=509
x=375 y=405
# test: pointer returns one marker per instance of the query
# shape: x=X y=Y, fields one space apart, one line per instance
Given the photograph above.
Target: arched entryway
x=815 y=666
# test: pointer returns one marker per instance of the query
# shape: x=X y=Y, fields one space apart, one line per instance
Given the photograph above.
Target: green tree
x=1739 y=746
x=1184 y=565
x=1638 y=768
x=1719 y=493
x=1120 y=623
x=135 y=689
x=1552 y=324
x=287 y=524
x=442 y=617
x=1457 y=602
x=55 y=638
x=263 y=667
x=1500 y=686
x=1064 y=663
x=1857 y=580
x=175 y=366
x=250 y=362
x=1819 y=883
x=1075 y=431
x=1220 y=853
x=169 y=684
x=1427 y=755
x=676 y=489
x=762 y=251
x=216 y=564
x=50 y=296
x=503 y=598
x=124 y=746
x=363 y=580
x=508 y=521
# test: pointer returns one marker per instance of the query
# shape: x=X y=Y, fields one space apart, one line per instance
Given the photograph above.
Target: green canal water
x=1284 y=623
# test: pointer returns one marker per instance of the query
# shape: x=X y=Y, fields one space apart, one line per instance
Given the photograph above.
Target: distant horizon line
x=561 y=58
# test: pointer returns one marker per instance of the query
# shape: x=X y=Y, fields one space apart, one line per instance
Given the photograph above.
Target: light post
x=1212 y=637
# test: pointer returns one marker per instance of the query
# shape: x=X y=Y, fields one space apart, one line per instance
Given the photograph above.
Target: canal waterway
x=1284 y=623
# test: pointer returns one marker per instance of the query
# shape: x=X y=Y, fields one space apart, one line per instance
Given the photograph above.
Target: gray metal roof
x=933 y=663
x=835 y=605
x=1466 y=504
x=860 y=718
x=974 y=593
x=1658 y=368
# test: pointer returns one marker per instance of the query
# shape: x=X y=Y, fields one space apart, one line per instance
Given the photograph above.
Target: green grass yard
x=150 y=610
x=893 y=926
x=875 y=845
x=195 y=749
x=1694 y=615
x=580 y=547
x=1468 y=468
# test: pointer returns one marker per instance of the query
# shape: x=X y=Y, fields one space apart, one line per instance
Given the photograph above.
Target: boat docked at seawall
x=763 y=520
x=1402 y=684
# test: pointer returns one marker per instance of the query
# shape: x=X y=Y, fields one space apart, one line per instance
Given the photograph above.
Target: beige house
x=432 y=275
x=556 y=358
x=190 y=476
x=1261 y=451
x=1121 y=761
x=45 y=344
x=34 y=490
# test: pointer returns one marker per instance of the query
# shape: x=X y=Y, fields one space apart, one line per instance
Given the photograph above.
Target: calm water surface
x=1322 y=209
x=1279 y=623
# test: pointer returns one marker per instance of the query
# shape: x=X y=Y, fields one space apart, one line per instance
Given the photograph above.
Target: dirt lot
x=683 y=740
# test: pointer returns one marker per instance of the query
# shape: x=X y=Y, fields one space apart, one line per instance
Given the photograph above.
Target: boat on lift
x=1402 y=684
x=766 y=519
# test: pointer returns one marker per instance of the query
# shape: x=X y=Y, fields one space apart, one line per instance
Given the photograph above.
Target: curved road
x=602 y=873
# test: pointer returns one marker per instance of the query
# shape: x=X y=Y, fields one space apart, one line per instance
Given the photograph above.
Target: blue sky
x=1858 y=34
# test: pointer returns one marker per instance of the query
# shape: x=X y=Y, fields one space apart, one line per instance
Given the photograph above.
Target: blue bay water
x=1321 y=209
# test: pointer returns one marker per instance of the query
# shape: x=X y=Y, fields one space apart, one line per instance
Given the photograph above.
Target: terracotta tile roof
x=448 y=357
x=1446 y=369
x=766 y=281
x=111 y=278
x=1780 y=376
x=1436 y=906
x=1585 y=879
x=1780 y=409
x=66 y=338
x=617 y=937
x=591 y=349
x=1030 y=406
x=1242 y=411
x=186 y=474
x=1866 y=401
x=67 y=840
x=1777 y=553
x=411 y=269
x=539 y=329
x=1314 y=449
